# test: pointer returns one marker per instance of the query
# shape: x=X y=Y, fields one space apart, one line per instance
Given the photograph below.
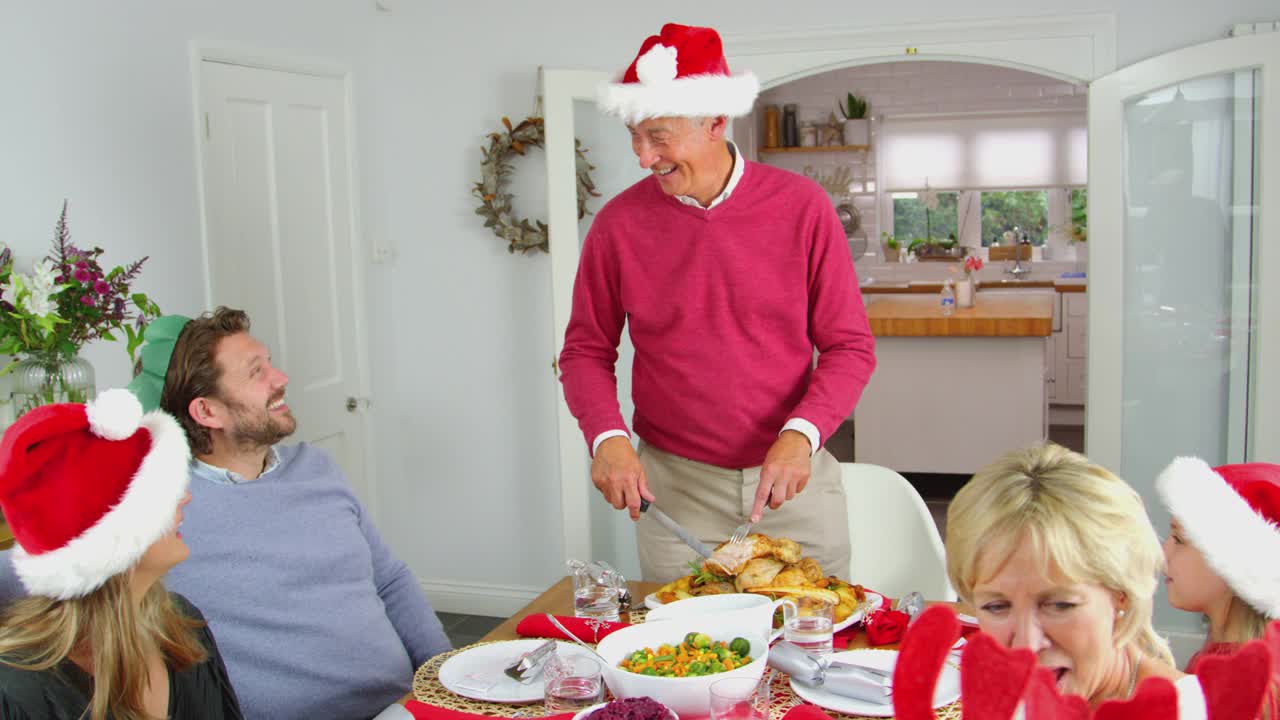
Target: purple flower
x=101 y=287
x=86 y=300
x=83 y=275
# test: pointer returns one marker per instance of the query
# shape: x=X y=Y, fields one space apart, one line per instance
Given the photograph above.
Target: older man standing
x=729 y=274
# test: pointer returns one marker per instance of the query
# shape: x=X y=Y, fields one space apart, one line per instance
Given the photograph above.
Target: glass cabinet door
x=1184 y=273
x=1178 y=224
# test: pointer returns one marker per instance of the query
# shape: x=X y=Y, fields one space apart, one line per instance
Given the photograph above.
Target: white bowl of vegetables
x=676 y=661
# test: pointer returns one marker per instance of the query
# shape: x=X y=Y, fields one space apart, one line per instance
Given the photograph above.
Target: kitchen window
x=1027 y=210
x=913 y=218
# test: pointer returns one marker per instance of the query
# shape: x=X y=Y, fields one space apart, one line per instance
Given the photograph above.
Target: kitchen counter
x=920 y=315
x=952 y=393
x=918 y=287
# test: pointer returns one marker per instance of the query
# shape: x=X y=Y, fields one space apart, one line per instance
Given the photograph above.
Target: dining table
x=558 y=600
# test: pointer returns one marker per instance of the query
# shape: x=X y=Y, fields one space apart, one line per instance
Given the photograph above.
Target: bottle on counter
x=771 y=126
x=948 y=298
x=790 y=126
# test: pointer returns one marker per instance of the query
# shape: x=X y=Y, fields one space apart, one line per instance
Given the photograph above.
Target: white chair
x=896 y=547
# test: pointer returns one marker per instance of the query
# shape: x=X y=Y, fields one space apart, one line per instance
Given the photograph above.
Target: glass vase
x=48 y=378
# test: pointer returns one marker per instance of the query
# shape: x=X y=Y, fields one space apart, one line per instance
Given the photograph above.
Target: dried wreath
x=495 y=170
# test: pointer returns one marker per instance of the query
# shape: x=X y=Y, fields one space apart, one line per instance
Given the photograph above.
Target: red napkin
x=590 y=631
x=885 y=627
x=423 y=711
x=806 y=712
x=841 y=640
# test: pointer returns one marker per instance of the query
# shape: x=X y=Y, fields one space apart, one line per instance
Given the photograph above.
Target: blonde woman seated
x=94 y=496
x=1057 y=555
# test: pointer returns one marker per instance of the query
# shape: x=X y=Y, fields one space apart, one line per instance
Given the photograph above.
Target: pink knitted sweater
x=725 y=309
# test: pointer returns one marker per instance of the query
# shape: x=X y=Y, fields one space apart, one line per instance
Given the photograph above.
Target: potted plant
x=46 y=317
x=857 y=129
x=890 y=247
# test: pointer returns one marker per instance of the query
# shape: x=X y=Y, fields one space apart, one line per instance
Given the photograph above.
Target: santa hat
x=86 y=489
x=1231 y=514
x=681 y=72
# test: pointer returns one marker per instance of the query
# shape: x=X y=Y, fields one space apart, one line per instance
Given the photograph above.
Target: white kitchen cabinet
x=1068 y=351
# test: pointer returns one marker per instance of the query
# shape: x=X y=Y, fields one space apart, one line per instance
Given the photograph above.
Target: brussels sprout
x=701 y=640
x=740 y=646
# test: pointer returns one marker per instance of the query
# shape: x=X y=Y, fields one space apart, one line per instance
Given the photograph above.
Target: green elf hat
x=161 y=335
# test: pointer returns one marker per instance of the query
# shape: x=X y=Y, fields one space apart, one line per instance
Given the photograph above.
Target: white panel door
x=277 y=185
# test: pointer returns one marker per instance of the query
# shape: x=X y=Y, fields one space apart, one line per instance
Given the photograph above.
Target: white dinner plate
x=477 y=673
x=946 y=692
x=874 y=600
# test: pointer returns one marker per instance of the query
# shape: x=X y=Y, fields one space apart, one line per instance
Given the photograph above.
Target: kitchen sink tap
x=1017 y=270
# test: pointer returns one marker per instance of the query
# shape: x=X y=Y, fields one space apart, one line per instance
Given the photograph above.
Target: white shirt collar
x=735 y=175
x=228 y=477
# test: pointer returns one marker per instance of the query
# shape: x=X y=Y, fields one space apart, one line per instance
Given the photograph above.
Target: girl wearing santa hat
x=93 y=495
x=1222 y=550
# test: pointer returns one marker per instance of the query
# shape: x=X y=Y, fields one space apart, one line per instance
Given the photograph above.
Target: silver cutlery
x=666 y=521
x=571 y=636
x=529 y=665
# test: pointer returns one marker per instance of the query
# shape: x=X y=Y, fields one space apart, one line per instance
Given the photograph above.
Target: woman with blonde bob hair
x=1057 y=555
x=93 y=495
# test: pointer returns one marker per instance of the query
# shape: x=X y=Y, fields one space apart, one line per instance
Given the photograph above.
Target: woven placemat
x=427 y=689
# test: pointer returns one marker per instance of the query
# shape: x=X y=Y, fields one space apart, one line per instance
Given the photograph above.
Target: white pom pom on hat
x=114 y=415
x=657 y=66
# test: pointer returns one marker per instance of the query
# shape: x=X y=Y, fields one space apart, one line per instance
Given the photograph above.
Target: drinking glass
x=596 y=590
x=572 y=683
x=740 y=699
x=809 y=622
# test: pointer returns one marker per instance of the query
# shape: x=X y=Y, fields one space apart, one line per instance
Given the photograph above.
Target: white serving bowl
x=687 y=696
x=755 y=611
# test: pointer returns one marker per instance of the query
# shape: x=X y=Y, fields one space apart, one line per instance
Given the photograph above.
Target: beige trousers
x=710 y=501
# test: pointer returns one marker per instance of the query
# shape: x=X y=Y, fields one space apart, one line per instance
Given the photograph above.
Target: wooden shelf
x=816 y=149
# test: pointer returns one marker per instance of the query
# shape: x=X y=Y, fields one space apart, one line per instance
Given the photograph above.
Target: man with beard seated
x=314 y=614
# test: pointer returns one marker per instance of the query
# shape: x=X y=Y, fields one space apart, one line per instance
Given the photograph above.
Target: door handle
x=355 y=403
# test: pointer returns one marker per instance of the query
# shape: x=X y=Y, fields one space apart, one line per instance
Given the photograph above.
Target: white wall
x=97 y=109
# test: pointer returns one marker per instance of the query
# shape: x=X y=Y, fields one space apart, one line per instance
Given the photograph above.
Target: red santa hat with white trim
x=1231 y=513
x=86 y=489
x=681 y=72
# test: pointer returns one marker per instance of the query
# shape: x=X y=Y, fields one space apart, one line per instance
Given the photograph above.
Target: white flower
x=42 y=275
x=9 y=291
x=39 y=304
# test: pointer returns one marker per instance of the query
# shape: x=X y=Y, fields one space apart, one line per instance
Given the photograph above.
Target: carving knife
x=666 y=521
